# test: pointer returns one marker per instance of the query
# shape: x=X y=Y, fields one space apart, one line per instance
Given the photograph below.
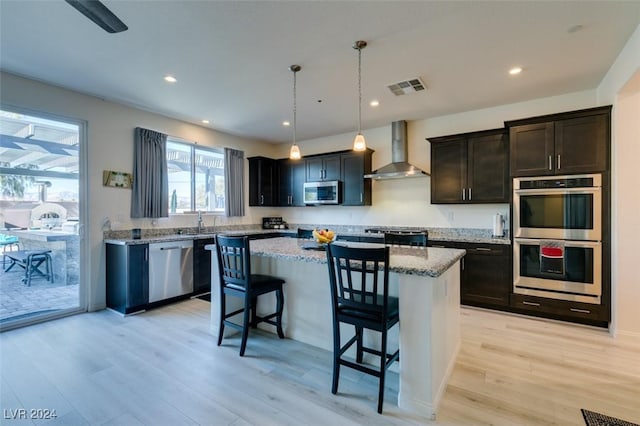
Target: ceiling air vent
x=408 y=86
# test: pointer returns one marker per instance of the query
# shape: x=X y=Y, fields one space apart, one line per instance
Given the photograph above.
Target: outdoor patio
x=18 y=301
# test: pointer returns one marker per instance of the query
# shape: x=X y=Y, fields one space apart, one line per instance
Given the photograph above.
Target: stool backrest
x=305 y=233
x=364 y=293
x=417 y=239
x=234 y=261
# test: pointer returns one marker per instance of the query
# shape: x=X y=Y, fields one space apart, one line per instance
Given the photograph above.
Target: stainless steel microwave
x=327 y=192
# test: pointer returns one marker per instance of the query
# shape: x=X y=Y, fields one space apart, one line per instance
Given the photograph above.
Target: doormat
x=596 y=419
x=206 y=297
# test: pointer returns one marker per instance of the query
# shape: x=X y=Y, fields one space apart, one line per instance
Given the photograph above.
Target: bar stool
x=416 y=239
x=357 y=299
x=236 y=279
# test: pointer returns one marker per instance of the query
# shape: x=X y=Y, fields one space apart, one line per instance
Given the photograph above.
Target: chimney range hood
x=399 y=168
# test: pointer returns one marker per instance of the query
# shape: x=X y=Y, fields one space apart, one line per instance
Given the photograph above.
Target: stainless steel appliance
x=563 y=207
x=327 y=192
x=557 y=250
x=575 y=273
x=170 y=269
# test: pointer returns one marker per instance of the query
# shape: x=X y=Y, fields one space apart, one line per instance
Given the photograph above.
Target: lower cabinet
x=485 y=273
x=564 y=310
x=202 y=266
x=127 y=277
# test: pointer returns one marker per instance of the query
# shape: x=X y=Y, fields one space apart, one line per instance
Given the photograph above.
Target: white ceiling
x=231 y=58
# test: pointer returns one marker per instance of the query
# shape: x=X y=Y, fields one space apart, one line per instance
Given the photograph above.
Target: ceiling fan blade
x=100 y=14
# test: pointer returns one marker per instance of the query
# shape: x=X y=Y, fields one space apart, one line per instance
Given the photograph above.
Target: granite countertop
x=431 y=261
x=462 y=235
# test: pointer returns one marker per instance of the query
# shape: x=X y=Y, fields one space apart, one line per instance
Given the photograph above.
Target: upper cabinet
x=323 y=167
x=263 y=181
x=356 y=191
x=470 y=168
x=566 y=143
x=291 y=186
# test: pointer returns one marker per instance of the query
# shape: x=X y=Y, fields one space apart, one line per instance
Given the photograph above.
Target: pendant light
x=359 y=143
x=294 y=153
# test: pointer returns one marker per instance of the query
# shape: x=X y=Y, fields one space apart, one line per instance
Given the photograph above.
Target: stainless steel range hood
x=400 y=167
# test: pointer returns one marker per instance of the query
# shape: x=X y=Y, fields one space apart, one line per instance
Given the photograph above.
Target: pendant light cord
x=294 y=107
x=359 y=90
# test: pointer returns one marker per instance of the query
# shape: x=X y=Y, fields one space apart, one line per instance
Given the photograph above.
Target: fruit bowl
x=323 y=236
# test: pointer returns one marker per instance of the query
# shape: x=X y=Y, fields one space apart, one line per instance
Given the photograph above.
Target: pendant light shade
x=294 y=152
x=359 y=144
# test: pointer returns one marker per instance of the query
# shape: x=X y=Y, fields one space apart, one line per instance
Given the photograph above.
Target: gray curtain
x=234 y=182
x=150 y=190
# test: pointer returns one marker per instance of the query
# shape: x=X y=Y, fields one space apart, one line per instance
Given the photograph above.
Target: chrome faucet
x=200 y=224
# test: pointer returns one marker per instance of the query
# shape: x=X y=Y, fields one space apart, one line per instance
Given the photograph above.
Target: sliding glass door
x=40 y=217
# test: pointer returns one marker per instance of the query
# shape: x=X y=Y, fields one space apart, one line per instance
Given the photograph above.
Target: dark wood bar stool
x=236 y=279
x=417 y=239
x=359 y=298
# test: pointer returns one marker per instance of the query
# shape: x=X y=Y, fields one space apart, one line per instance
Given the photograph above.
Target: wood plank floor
x=164 y=368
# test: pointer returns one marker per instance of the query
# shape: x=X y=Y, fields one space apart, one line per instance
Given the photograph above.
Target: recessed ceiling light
x=170 y=79
x=374 y=103
x=205 y=121
x=286 y=123
x=515 y=70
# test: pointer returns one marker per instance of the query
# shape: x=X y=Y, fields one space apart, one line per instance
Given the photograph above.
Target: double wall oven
x=557 y=227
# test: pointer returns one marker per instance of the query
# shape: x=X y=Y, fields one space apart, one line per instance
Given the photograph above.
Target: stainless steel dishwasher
x=170 y=269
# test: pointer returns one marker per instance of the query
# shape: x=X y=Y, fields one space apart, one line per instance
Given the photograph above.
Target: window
x=196 y=177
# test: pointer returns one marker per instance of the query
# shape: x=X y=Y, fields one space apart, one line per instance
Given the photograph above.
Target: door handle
x=261 y=199
x=550 y=166
x=524 y=302
x=558 y=161
x=581 y=311
x=469 y=194
x=170 y=248
x=464 y=194
x=482 y=249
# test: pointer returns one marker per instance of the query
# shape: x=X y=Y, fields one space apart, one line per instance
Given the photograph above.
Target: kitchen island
x=427 y=281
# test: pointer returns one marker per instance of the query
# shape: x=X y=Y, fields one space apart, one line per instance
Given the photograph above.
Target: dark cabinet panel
x=202 y=266
x=448 y=171
x=470 y=168
x=532 y=149
x=585 y=313
x=127 y=277
x=561 y=144
x=356 y=189
x=323 y=167
x=581 y=144
x=291 y=183
x=263 y=181
x=486 y=275
x=488 y=169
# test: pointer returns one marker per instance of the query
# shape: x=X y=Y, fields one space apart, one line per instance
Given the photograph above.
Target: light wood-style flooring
x=163 y=368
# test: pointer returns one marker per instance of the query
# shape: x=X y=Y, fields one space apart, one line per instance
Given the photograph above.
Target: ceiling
x=231 y=58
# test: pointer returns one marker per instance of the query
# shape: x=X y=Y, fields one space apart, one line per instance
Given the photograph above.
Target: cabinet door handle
x=469 y=194
x=462 y=264
x=361 y=197
x=483 y=249
x=558 y=161
x=464 y=194
x=550 y=166
x=524 y=302
x=581 y=311
x=146 y=254
x=261 y=199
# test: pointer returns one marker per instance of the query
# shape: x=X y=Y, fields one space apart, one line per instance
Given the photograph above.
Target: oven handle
x=548 y=191
x=567 y=243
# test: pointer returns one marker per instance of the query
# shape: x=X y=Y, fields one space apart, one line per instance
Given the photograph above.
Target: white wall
x=110 y=147
x=406 y=202
x=621 y=87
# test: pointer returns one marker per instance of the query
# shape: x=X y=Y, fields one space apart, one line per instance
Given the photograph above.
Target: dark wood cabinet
x=127 y=277
x=566 y=143
x=470 y=168
x=291 y=182
x=356 y=190
x=585 y=313
x=485 y=273
x=202 y=265
x=485 y=278
x=263 y=181
x=323 y=167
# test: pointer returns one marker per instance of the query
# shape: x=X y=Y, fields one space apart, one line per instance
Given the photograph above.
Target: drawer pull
x=581 y=311
x=482 y=249
x=438 y=246
x=524 y=302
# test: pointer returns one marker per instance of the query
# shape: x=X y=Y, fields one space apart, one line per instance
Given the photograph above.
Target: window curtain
x=150 y=189
x=234 y=182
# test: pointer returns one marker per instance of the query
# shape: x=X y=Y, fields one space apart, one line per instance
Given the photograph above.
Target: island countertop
x=425 y=261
